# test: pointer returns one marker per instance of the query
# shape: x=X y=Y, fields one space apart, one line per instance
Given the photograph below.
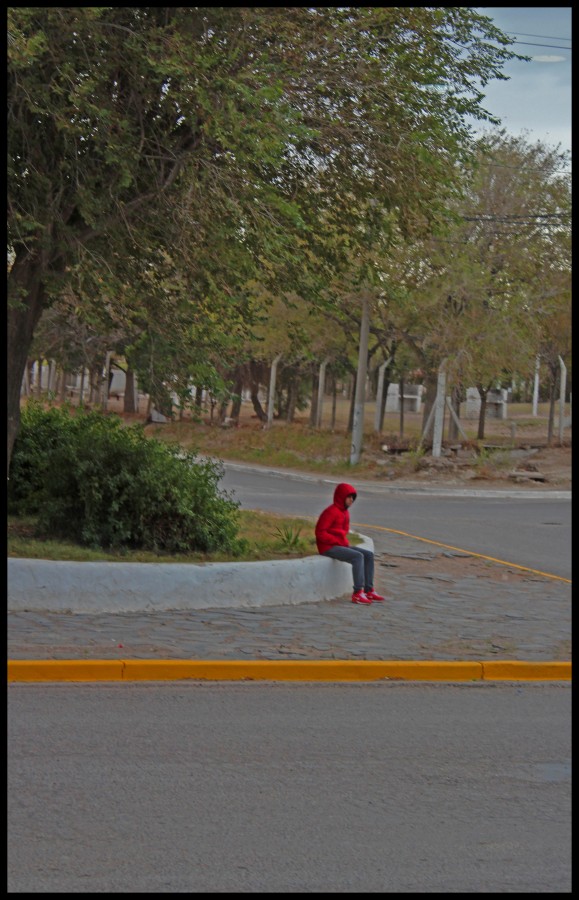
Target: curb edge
x=98 y=670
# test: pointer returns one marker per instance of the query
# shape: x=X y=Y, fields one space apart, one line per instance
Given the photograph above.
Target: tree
x=191 y=129
x=478 y=290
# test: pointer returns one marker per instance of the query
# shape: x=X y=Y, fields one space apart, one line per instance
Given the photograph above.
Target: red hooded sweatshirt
x=334 y=523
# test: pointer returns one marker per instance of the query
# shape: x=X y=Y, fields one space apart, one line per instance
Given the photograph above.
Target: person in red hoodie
x=332 y=530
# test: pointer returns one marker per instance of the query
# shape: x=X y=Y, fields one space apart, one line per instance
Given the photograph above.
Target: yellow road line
x=502 y=562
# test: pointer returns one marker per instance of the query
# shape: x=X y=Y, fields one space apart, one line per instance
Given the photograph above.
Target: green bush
x=105 y=485
x=41 y=432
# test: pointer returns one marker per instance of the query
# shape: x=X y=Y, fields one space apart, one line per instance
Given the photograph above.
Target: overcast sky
x=537 y=98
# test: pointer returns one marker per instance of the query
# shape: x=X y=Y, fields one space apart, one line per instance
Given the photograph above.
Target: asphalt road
x=255 y=788
x=533 y=532
x=261 y=787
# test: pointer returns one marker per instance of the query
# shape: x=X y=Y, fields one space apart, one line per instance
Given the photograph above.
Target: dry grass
x=268 y=536
x=327 y=451
x=321 y=450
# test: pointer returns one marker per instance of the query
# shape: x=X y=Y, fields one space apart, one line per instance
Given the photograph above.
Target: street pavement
x=440 y=605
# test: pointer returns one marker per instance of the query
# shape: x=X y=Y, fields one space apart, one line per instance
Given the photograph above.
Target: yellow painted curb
x=300 y=670
x=515 y=670
x=284 y=670
x=65 y=670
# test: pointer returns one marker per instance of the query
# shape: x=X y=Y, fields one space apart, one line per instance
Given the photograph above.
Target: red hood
x=342 y=491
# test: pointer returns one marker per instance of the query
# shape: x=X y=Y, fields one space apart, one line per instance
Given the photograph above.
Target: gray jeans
x=362 y=562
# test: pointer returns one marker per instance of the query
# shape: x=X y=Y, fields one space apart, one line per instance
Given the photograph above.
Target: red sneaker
x=372 y=595
x=360 y=597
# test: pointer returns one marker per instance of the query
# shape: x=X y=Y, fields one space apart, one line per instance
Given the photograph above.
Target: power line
x=550 y=46
x=548 y=37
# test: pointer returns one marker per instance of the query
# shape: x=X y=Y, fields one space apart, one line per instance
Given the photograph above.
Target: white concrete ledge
x=98 y=587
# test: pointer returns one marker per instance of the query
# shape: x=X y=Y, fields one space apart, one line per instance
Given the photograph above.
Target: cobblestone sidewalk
x=439 y=605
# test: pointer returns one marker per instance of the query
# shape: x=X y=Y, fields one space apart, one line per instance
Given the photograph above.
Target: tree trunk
x=130 y=399
x=315 y=394
x=482 y=413
x=237 y=392
x=385 y=387
x=29 y=369
x=257 y=373
x=455 y=398
x=38 y=377
x=334 y=402
x=63 y=380
x=259 y=410
x=81 y=388
x=94 y=384
x=401 y=396
x=431 y=385
x=26 y=384
x=25 y=304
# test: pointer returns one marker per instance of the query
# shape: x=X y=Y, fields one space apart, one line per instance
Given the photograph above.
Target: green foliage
x=290 y=537
x=105 y=485
x=43 y=431
x=221 y=134
x=161 y=159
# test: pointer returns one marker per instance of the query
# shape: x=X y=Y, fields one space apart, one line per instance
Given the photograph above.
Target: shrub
x=105 y=485
x=290 y=539
x=41 y=432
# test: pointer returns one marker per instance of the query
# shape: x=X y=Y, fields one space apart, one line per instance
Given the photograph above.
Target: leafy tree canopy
x=227 y=136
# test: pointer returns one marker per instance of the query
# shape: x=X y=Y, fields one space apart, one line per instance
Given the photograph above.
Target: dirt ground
x=543 y=468
x=524 y=463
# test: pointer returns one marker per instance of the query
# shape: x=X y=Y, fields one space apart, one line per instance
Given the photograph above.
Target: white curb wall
x=99 y=587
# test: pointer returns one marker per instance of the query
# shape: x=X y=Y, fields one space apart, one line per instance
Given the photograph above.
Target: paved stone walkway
x=440 y=605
